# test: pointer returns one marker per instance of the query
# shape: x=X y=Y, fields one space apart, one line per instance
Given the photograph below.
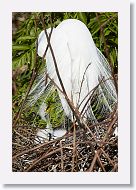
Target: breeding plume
x=84 y=71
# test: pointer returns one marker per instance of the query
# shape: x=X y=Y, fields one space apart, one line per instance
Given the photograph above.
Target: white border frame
x=6 y=9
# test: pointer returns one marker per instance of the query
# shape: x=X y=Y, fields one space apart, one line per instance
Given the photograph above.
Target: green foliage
x=104 y=29
x=54 y=109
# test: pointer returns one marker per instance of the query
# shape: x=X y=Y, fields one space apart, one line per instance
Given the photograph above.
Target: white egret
x=81 y=66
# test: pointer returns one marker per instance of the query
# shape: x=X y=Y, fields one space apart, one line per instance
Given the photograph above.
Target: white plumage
x=81 y=66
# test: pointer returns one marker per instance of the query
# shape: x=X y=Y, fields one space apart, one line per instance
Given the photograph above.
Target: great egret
x=81 y=66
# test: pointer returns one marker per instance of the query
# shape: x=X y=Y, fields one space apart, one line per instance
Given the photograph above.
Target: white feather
x=79 y=62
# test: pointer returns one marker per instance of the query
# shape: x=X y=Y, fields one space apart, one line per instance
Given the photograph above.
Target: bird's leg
x=50 y=136
x=49 y=128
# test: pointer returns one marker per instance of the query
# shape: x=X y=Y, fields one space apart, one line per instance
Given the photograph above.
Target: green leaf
x=24 y=38
x=112 y=58
x=20 y=47
x=107 y=32
x=82 y=17
x=32 y=58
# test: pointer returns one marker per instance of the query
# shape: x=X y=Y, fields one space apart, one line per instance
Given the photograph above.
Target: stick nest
x=79 y=150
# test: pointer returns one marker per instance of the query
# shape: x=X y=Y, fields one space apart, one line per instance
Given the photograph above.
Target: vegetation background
x=103 y=27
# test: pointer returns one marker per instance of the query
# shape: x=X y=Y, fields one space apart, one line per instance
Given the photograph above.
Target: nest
x=79 y=150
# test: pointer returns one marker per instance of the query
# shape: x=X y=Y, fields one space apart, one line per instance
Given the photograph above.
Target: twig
x=110 y=127
x=107 y=156
x=100 y=162
x=45 y=155
x=20 y=145
x=62 y=161
x=115 y=168
x=94 y=161
x=89 y=131
x=74 y=147
x=22 y=136
x=34 y=148
x=93 y=91
x=101 y=144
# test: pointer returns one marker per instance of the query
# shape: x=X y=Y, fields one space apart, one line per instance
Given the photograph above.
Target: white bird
x=81 y=66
